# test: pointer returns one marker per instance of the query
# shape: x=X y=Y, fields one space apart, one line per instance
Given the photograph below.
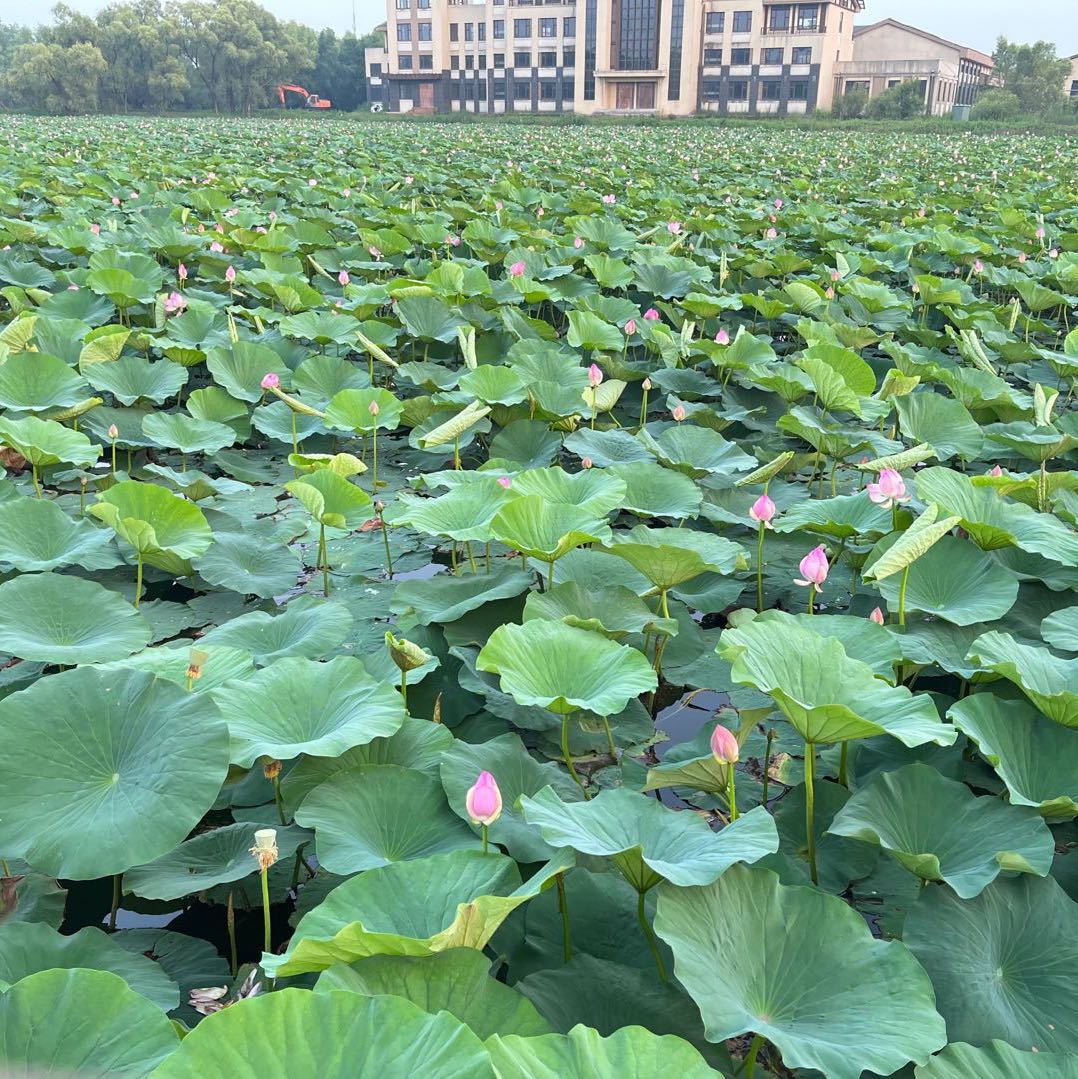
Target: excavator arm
x=310 y=101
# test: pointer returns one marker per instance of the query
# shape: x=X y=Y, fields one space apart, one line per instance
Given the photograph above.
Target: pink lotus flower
x=586 y=462
x=115 y=200
x=630 y=327
x=230 y=274
x=673 y=227
x=835 y=275
x=216 y=248
x=578 y=242
x=772 y=233
x=95 y=229
x=113 y=432
x=270 y=381
x=343 y=278
x=181 y=272
x=1054 y=253
x=1021 y=256
x=346 y=192
x=876 y=616
x=995 y=472
x=312 y=182
x=678 y=412
x=595 y=375
x=517 y=269
x=978 y=266
x=408 y=179
x=504 y=482
x=651 y=315
x=724 y=746
x=890 y=489
x=814 y=568
x=609 y=200
x=483 y=800
x=778 y=204
x=762 y=511
x=830 y=293
x=452 y=240
x=373 y=408
x=1040 y=233
x=722 y=338
x=175 y=301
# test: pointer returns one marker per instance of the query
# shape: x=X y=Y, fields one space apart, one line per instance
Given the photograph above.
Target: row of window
x=522 y=28
x=521 y=90
x=520 y=59
x=767 y=90
x=780 y=18
x=741 y=57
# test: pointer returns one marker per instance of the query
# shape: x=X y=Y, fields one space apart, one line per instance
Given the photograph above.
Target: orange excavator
x=310 y=101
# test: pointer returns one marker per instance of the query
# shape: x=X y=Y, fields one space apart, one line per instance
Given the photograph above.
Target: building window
x=426 y=61
x=638 y=37
x=740 y=57
x=770 y=90
x=779 y=19
x=454 y=91
x=568 y=89
x=469 y=62
x=857 y=86
x=892 y=83
x=714 y=22
x=568 y=26
x=548 y=59
x=454 y=31
x=454 y=63
x=469 y=31
x=1074 y=88
x=568 y=58
x=404 y=31
x=799 y=90
x=712 y=57
x=404 y=63
x=522 y=28
x=802 y=54
x=499 y=29
x=522 y=59
x=808 y=17
x=423 y=5
x=499 y=89
x=403 y=5
x=711 y=89
x=742 y=22
x=482 y=31
x=548 y=27
x=548 y=90
x=483 y=62
x=425 y=31
x=771 y=56
x=376 y=71
x=499 y=59
x=738 y=90
x=522 y=90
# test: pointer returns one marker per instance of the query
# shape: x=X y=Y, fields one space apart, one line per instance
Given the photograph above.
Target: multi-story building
x=1070 y=87
x=889 y=52
x=658 y=57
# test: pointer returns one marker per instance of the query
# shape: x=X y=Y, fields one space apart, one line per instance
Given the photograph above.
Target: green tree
x=1033 y=73
x=60 y=79
x=902 y=102
x=996 y=105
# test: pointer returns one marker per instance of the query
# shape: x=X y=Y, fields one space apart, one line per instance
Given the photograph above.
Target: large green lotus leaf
x=275 y=421
x=165 y=529
x=418 y=745
x=188 y=434
x=59 y=619
x=1059 y=629
x=592 y=489
x=843 y=517
x=956 y=581
x=697 y=451
x=1036 y=758
x=359 y=825
x=614 y=612
x=825 y=694
x=607 y=447
x=583 y=1053
x=131 y=377
x=1049 y=682
x=104 y=770
x=240 y=367
x=672 y=556
x=171 y=663
x=218 y=856
x=307 y=627
x=802 y=969
x=458 y=981
x=249 y=565
x=552 y=665
x=1005 y=965
x=993 y=522
x=331 y=499
x=45 y=442
x=29 y=947
x=446 y=598
x=330 y=1035
x=939 y=830
x=297 y=705
x=648 y=841
x=35 y=381
x=494 y=385
x=654 y=491
x=546 y=530
x=36 y=534
x=452 y=900
x=942 y=422
x=860 y=637
x=462 y=514
x=81 y=1022
x=517 y=773
x=350 y=410
x=996 y=1060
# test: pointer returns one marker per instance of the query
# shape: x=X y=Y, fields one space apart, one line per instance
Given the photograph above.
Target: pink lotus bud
x=578 y=242
x=114 y=432
x=343 y=278
x=216 y=248
x=876 y=616
x=586 y=462
x=312 y=182
x=762 y=510
x=678 y=413
x=630 y=327
x=1053 y=253
x=1040 y=233
x=95 y=229
x=230 y=274
x=995 y=472
x=483 y=800
x=835 y=275
x=219 y=228
x=722 y=338
x=540 y=212
x=116 y=201
x=504 y=482
x=1021 y=256
x=499 y=205
x=517 y=269
x=346 y=192
x=778 y=204
x=646 y=385
x=830 y=293
x=978 y=266
x=651 y=315
x=813 y=567
x=890 y=488
x=373 y=408
x=595 y=375
x=181 y=272
x=270 y=381
x=724 y=746
x=772 y=233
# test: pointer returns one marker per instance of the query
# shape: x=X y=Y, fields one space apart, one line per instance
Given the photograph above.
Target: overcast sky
x=976 y=23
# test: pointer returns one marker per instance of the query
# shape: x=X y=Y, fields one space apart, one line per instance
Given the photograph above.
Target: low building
x=1070 y=87
x=889 y=52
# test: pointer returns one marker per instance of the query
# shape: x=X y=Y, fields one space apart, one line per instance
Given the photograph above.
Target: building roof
x=966 y=52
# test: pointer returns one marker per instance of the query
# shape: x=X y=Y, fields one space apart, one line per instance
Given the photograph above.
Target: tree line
x=145 y=56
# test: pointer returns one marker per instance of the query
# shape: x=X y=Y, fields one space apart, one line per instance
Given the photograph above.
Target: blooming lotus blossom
x=835 y=275
x=678 y=412
x=346 y=192
x=230 y=274
x=1041 y=233
x=95 y=229
x=673 y=227
x=343 y=278
x=876 y=616
x=504 y=482
x=651 y=314
x=814 y=568
x=595 y=375
x=270 y=381
x=724 y=746
x=630 y=327
x=609 y=200
x=175 y=301
x=772 y=233
x=312 y=182
x=890 y=488
x=484 y=800
x=115 y=200
x=452 y=240
x=722 y=338
x=408 y=179
x=586 y=462
x=517 y=269
x=216 y=248
x=762 y=511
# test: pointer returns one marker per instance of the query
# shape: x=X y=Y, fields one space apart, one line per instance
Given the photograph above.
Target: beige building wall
x=1070 y=87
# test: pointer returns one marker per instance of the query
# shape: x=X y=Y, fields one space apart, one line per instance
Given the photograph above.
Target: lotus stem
x=266 y=924
x=550 y=575
x=323 y=558
x=902 y=596
x=485 y=838
x=114 y=458
x=731 y=791
x=230 y=925
x=643 y=410
x=767 y=765
x=753 y=1053
x=649 y=936
x=138 y=581
x=610 y=738
x=471 y=557
x=404 y=689
x=812 y=599
x=117 y=892
x=37 y=484
x=810 y=808
x=1042 y=488
x=563 y=910
x=5 y=869
x=488 y=556
x=277 y=797
x=760 y=569
x=385 y=540
x=842 y=763
x=568 y=757
x=295 y=440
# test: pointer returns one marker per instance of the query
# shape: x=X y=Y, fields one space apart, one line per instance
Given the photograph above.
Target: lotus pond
x=503 y=600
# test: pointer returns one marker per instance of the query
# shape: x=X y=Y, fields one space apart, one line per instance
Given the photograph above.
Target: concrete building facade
x=1070 y=87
